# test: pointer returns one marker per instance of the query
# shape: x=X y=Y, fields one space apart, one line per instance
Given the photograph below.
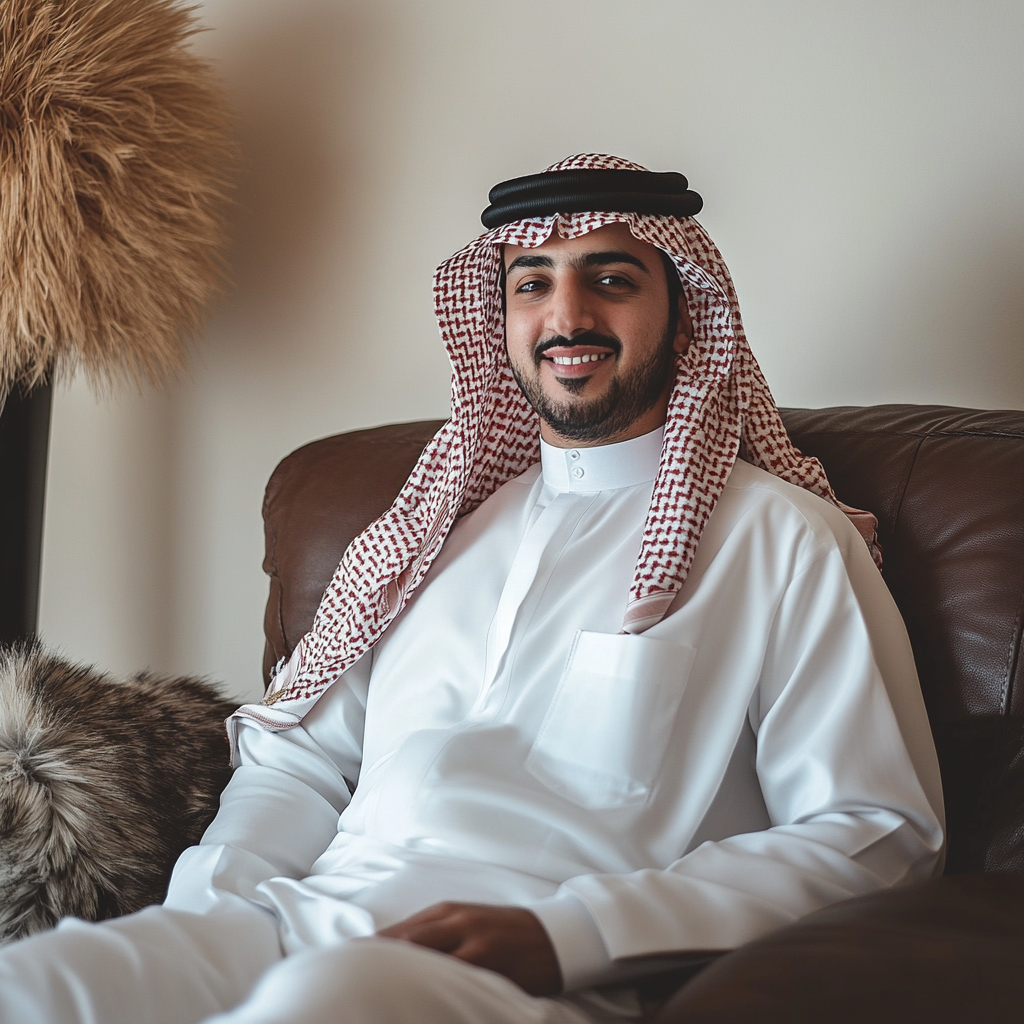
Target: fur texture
x=102 y=784
x=115 y=162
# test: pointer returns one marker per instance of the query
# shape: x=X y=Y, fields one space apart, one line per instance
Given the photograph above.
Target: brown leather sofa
x=948 y=488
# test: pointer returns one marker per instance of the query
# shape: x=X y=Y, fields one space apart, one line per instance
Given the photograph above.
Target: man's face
x=588 y=332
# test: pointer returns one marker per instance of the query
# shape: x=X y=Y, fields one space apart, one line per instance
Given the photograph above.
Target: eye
x=528 y=286
x=614 y=280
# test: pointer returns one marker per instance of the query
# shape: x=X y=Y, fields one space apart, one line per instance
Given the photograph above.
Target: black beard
x=625 y=401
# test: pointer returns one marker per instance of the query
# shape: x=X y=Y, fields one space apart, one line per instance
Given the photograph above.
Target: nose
x=570 y=309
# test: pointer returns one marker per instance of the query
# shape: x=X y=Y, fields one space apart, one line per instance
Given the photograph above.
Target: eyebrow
x=530 y=262
x=590 y=259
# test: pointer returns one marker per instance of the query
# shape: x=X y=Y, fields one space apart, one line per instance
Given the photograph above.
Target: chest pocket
x=605 y=735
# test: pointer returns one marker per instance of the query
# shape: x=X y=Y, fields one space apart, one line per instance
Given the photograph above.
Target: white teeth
x=573 y=360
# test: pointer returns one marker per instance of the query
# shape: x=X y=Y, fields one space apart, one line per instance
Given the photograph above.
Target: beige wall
x=862 y=165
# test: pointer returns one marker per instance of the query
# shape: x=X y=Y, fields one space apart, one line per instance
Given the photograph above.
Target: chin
x=574 y=385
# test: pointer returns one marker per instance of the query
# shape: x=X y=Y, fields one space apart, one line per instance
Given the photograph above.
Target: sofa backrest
x=947 y=486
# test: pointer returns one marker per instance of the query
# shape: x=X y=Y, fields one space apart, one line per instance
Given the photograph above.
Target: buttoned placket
x=566 y=495
x=577 y=472
x=535 y=560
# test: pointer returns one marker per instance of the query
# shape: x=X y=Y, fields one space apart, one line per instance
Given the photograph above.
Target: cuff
x=205 y=877
x=582 y=956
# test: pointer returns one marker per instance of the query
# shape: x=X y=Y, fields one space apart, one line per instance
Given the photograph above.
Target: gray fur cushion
x=103 y=783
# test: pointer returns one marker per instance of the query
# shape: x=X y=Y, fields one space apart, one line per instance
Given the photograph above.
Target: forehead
x=608 y=238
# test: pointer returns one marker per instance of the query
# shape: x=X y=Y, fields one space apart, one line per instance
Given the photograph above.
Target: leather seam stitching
x=1012 y=656
x=923 y=434
x=906 y=483
x=273 y=573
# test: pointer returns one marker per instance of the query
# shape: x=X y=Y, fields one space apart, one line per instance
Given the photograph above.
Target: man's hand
x=509 y=940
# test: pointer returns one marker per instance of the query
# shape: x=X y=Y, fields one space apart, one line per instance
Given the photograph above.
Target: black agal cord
x=540 y=195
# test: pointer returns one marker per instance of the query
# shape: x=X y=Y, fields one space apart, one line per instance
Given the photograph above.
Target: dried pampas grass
x=115 y=162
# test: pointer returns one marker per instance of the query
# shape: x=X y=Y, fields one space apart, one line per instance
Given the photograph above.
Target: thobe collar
x=605 y=467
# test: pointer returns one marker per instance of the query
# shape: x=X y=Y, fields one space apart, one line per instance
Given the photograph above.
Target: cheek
x=520 y=337
x=641 y=336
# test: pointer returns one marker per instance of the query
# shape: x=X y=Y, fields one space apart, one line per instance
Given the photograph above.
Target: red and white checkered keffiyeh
x=720 y=401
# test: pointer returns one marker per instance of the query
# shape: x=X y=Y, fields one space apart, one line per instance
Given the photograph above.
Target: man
x=576 y=704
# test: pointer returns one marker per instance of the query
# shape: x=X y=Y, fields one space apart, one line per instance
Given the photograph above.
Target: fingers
x=444 y=935
x=438 y=912
x=465 y=930
x=509 y=940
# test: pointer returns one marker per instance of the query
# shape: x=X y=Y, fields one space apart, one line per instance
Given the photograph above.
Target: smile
x=573 y=360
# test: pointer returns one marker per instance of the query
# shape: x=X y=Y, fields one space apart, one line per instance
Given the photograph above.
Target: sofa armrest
x=317 y=500
x=947 y=950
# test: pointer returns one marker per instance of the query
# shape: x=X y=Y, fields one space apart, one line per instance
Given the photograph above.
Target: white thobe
x=761 y=752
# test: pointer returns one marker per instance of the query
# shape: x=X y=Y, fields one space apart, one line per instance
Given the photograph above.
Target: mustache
x=590 y=338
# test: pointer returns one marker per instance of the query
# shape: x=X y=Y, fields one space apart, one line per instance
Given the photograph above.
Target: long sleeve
x=280 y=809
x=847 y=773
